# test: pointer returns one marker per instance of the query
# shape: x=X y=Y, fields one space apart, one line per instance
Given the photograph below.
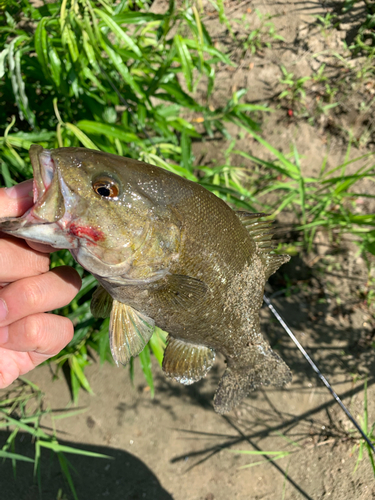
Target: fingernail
x=22 y=190
x=3 y=310
x=4 y=334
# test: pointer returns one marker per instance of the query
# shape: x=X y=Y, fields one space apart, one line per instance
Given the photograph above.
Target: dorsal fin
x=261 y=232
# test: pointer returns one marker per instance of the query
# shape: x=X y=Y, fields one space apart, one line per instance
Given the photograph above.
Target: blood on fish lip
x=82 y=231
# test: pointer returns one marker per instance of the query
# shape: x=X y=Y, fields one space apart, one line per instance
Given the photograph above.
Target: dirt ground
x=175 y=446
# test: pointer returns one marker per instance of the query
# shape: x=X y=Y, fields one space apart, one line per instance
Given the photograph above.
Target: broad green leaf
x=186 y=152
x=210 y=50
x=77 y=370
x=122 y=69
x=68 y=38
x=176 y=169
x=81 y=136
x=118 y=31
x=18 y=85
x=55 y=65
x=3 y=55
x=40 y=42
x=90 y=53
x=101 y=128
x=157 y=344
x=178 y=96
x=137 y=17
x=145 y=360
x=185 y=60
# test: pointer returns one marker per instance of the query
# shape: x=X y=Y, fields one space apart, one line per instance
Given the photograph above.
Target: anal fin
x=187 y=363
x=129 y=332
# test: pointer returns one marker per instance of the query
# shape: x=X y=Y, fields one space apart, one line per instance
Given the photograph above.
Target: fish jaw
x=40 y=222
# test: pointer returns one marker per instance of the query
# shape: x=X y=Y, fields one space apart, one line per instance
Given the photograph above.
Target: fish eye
x=106 y=187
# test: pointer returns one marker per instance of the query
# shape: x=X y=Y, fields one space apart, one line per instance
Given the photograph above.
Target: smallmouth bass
x=165 y=252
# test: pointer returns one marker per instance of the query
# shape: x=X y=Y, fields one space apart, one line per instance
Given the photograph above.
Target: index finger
x=16 y=200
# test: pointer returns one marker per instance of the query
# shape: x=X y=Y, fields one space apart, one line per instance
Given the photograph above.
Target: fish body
x=166 y=252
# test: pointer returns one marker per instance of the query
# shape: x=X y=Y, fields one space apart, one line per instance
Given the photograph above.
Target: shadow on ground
x=122 y=477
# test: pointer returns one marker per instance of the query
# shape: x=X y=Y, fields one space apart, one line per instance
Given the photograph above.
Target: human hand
x=29 y=335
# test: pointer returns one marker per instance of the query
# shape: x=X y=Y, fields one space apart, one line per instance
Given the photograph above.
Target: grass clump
x=256 y=40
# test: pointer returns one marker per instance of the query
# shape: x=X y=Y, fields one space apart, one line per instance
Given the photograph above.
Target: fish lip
x=44 y=170
x=38 y=185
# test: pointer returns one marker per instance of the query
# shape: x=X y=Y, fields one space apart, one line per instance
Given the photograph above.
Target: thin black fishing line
x=316 y=370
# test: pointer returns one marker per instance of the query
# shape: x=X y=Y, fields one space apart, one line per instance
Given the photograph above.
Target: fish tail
x=257 y=366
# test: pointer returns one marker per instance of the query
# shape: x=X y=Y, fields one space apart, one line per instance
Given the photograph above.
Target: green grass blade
x=15 y=456
x=122 y=69
x=145 y=360
x=118 y=31
x=77 y=369
x=40 y=42
x=59 y=448
x=291 y=169
x=185 y=60
x=278 y=457
x=55 y=65
x=113 y=131
x=81 y=136
x=157 y=344
x=186 y=162
x=64 y=465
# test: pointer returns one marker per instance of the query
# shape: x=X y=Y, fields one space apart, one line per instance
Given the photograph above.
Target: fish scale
x=166 y=252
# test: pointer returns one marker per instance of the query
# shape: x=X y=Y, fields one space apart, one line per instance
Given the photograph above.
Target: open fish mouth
x=48 y=200
x=39 y=223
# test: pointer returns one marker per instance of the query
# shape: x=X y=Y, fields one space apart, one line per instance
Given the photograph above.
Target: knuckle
x=34 y=330
x=33 y=294
x=47 y=333
x=41 y=263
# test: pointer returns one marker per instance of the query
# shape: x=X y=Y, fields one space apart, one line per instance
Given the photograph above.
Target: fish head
x=94 y=204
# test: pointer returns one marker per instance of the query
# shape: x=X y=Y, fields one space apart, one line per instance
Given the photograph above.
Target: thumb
x=16 y=200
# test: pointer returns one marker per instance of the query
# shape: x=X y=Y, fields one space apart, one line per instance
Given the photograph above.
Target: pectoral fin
x=129 y=332
x=180 y=291
x=101 y=303
x=187 y=363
